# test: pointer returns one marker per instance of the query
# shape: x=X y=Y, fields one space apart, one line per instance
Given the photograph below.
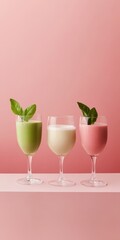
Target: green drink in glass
x=29 y=135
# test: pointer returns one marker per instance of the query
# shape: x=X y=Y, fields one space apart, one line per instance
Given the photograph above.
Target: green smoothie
x=29 y=135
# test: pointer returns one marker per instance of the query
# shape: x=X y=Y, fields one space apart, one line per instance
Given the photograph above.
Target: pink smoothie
x=93 y=138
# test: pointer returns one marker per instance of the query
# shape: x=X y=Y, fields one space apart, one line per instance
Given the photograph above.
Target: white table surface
x=8 y=183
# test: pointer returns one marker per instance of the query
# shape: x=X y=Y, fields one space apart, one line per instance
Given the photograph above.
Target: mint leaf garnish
x=87 y=112
x=29 y=112
x=18 y=110
x=93 y=116
x=84 y=108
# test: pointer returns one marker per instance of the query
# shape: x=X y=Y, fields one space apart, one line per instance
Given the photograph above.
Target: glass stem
x=61 y=160
x=93 y=159
x=29 y=175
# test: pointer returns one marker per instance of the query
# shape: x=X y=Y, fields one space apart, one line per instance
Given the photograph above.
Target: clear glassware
x=93 y=139
x=29 y=135
x=61 y=134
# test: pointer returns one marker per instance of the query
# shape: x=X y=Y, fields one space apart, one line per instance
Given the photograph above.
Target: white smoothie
x=61 y=138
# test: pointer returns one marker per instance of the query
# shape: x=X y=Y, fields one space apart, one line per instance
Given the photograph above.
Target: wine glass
x=29 y=135
x=93 y=139
x=61 y=139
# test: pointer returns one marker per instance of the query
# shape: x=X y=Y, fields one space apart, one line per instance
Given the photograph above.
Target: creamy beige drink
x=61 y=138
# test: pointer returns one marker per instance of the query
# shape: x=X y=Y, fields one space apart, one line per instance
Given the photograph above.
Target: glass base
x=62 y=183
x=31 y=181
x=94 y=183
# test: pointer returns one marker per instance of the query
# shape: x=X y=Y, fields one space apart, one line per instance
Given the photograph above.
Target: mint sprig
x=87 y=112
x=18 y=110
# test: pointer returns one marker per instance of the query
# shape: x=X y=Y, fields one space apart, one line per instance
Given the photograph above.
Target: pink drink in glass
x=93 y=138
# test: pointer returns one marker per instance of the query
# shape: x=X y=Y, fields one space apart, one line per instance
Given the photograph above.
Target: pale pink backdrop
x=55 y=53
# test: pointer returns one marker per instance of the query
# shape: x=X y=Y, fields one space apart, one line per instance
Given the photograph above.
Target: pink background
x=55 y=53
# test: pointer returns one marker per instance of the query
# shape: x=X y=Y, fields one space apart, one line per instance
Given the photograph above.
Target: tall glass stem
x=61 y=160
x=29 y=175
x=93 y=159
